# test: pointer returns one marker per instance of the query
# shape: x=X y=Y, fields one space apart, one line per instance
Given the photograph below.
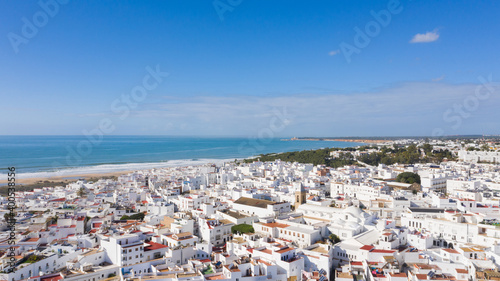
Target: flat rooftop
x=259 y=203
x=234 y=214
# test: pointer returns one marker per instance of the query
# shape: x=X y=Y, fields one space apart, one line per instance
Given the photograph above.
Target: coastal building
x=261 y=208
x=347 y=223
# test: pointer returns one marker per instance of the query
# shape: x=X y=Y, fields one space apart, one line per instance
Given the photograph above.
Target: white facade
x=479 y=156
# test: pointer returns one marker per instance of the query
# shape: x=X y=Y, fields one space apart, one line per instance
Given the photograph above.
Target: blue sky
x=230 y=71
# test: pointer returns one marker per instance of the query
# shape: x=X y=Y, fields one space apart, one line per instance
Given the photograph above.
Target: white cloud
x=334 y=52
x=415 y=108
x=438 y=78
x=430 y=36
x=405 y=109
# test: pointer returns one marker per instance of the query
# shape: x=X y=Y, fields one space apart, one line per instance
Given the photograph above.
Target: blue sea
x=47 y=156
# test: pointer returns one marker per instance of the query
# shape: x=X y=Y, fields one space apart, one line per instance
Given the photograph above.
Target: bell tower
x=300 y=196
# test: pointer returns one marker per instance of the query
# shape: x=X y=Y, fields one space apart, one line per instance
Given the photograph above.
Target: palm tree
x=81 y=192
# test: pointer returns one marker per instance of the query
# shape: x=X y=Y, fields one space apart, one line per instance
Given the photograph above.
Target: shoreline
x=362 y=140
x=103 y=170
x=343 y=140
x=73 y=177
x=65 y=178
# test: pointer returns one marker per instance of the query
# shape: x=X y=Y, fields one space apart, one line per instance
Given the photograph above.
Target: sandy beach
x=65 y=178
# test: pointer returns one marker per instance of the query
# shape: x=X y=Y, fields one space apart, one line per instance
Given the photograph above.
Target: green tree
x=427 y=148
x=408 y=177
x=316 y=157
x=33 y=259
x=8 y=217
x=138 y=216
x=334 y=238
x=242 y=228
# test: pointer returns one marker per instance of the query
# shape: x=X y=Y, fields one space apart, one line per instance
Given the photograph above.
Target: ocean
x=47 y=156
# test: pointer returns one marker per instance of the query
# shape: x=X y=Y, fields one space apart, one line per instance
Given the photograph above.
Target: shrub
x=408 y=177
x=242 y=228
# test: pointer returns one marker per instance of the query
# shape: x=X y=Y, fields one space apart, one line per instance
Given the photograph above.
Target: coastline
x=68 y=175
x=65 y=178
x=343 y=140
x=103 y=169
x=362 y=140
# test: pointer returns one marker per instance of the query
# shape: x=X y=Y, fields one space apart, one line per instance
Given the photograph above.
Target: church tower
x=300 y=196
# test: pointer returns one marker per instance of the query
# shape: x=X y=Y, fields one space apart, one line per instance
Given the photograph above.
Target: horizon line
x=245 y=136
